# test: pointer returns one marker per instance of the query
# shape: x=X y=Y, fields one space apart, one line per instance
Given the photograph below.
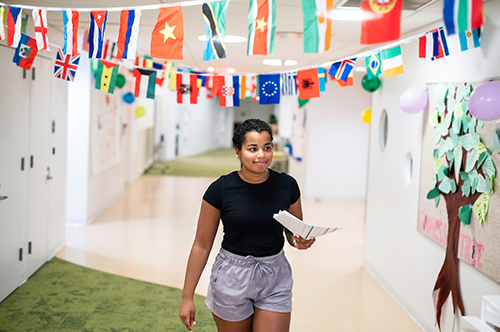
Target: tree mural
x=464 y=175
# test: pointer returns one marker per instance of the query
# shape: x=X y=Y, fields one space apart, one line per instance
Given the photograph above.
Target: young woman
x=251 y=283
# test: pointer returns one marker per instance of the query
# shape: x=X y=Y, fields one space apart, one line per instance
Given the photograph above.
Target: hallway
x=147 y=235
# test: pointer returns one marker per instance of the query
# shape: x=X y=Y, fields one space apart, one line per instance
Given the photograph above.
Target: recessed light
x=230 y=70
x=210 y=69
x=273 y=62
x=359 y=68
x=290 y=63
x=347 y=14
x=228 y=39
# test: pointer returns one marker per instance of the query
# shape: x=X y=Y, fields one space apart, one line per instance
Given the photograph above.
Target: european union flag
x=269 y=89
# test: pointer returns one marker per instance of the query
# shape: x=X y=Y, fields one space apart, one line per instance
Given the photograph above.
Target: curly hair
x=249 y=126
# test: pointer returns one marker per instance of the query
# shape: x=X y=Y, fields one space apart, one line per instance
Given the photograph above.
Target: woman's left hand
x=302 y=244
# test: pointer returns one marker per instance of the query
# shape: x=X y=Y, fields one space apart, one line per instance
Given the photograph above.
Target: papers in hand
x=297 y=226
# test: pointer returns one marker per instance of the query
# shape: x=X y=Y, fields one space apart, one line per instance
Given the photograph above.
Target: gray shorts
x=239 y=283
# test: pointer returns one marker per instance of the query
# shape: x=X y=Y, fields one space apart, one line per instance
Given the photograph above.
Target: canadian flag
x=187 y=89
x=230 y=91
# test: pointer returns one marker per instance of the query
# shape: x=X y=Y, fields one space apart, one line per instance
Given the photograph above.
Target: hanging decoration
x=317 y=25
x=373 y=64
x=66 y=65
x=461 y=16
x=381 y=21
x=106 y=75
x=230 y=92
x=484 y=102
x=96 y=33
x=71 y=20
x=269 y=88
x=261 y=27
x=2 y=19
x=167 y=37
x=129 y=31
x=308 y=83
x=120 y=81
x=140 y=112
x=469 y=39
x=14 y=23
x=214 y=14
x=370 y=85
x=40 y=22
x=414 y=100
x=433 y=45
x=145 y=83
x=366 y=116
x=187 y=89
x=25 y=52
x=392 y=61
x=128 y=98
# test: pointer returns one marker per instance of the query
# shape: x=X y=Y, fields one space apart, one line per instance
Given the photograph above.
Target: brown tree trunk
x=448 y=279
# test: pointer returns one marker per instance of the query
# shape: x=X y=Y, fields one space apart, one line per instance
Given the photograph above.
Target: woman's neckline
x=268 y=177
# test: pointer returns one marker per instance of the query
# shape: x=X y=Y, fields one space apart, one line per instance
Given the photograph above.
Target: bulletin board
x=479 y=245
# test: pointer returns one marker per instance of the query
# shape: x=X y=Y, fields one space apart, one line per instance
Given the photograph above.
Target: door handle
x=3 y=198
x=48 y=175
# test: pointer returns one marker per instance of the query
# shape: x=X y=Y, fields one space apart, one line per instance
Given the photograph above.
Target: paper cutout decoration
x=187 y=89
x=308 y=83
x=481 y=207
x=342 y=69
x=373 y=65
x=2 y=19
x=469 y=39
x=145 y=83
x=66 y=65
x=40 y=21
x=462 y=15
x=230 y=91
x=248 y=87
x=392 y=61
x=13 y=26
x=317 y=25
x=269 y=88
x=433 y=45
x=464 y=214
x=25 y=52
x=129 y=31
x=214 y=14
x=106 y=76
x=96 y=33
x=322 y=79
x=261 y=27
x=71 y=20
x=381 y=21
x=289 y=83
x=168 y=35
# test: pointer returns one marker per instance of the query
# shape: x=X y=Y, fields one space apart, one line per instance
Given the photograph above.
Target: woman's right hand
x=187 y=313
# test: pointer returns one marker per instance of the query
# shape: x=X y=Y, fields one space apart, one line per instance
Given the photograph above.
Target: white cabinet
x=33 y=107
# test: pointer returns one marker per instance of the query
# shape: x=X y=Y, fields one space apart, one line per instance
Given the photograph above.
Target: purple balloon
x=414 y=100
x=484 y=102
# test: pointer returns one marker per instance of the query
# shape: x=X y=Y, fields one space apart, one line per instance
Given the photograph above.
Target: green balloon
x=120 y=81
x=370 y=85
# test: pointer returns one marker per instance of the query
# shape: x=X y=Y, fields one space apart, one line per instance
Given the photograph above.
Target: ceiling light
x=210 y=69
x=228 y=39
x=290 y=63
x=273 y=62
x=230 y=70
x=359 y=68
x=347 y=14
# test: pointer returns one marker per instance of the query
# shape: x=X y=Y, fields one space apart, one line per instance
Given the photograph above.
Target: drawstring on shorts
x=263 y=268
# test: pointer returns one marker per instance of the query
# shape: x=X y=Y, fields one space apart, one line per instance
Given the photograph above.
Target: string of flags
x=381 y=23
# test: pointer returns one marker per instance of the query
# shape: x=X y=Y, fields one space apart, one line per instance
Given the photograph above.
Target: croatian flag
x=14 y=22
x=145 y=83
x=96 y=33
x=71 y=19
x=230 y=92
x=66 y=65
x=187 y=89
x=341 y=70
x=40 y=21
x=129 y=31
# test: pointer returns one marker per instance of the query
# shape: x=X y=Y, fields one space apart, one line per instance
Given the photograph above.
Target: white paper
x=297 y=226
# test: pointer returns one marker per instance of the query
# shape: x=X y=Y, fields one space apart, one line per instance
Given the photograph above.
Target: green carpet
x=211 y=164
x=63 y=296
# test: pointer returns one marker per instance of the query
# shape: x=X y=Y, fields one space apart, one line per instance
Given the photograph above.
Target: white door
x=38 y=194
x=14 y=163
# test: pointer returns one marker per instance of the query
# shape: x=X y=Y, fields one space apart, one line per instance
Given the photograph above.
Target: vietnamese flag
x=168 y=35
x=308 y=83
x=381 y=21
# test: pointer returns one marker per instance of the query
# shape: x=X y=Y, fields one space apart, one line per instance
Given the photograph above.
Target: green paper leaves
x=496 y=140
x=445 y=185
x=457 y=153
x=489 y=167
x=433 y=193
x=481 y=207
x=464 y=213
x=471 y=160
x=469 y=141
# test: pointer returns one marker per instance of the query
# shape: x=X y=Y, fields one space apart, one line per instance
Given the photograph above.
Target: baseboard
x=414 y=314
x=96 y=214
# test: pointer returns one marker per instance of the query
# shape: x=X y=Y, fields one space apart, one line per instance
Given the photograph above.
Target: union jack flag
x=66 y=65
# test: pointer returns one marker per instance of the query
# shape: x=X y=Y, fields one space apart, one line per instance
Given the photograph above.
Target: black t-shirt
x=247 y=211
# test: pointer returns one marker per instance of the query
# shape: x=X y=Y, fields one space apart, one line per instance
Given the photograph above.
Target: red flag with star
x=261 y=27
x=168 y=35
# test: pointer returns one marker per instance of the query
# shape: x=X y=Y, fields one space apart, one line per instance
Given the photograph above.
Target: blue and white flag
x=470 y=39
x=96 y=33
x=71 y=19
x=269 y=89
x=341 y=70
x=289 y=83
x=129 y=31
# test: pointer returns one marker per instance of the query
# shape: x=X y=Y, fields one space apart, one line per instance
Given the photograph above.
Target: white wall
x=251 y=109
x=337 y=143
x=404 y=261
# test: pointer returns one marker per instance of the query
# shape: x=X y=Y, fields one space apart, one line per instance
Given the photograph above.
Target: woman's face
x=256 y=151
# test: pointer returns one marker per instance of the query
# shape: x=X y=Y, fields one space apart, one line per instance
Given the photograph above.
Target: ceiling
x=345 y=34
